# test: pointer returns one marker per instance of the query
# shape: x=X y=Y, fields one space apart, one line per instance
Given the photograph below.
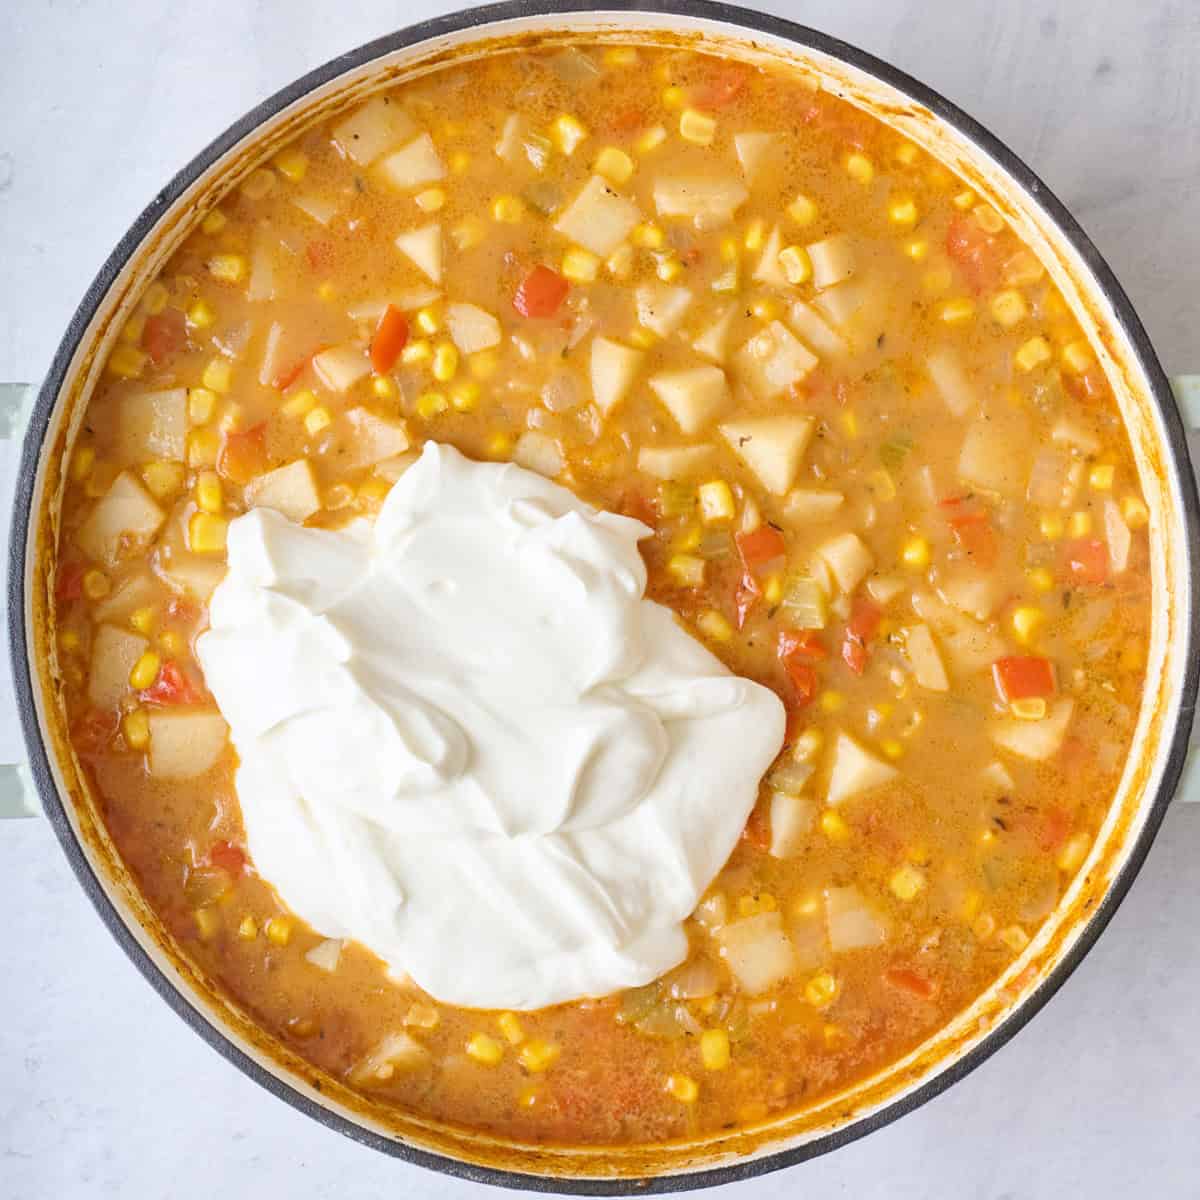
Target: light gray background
x=103 y=1092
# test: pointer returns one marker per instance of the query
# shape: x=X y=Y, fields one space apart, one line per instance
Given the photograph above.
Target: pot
x=50 y=422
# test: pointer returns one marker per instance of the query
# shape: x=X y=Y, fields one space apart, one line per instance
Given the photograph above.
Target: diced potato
x=844 y=305
x=995 y=455
x=713 y=199
x=1070 y=432
x=758 y=952
x=808 y=505
x=769 y=269
x=996 y=780
x=852 y=923
x=369 y=131
x=1049 y=479
x=261 y=285
x=192 y=575
x=951 y=383
x=791 y=823
x=321 y=210
x=279 y=353
x=598 y=219
x=423 y=248
x=925 y=659
x=976 y=593
x=714 y=338
x=138 y=591
x=114 y=652
x=126 y=513
x=414 y=165
x=326 y=955
x=1035 y=740
x=692 y=396
x=153 y=425
x=674 y=462
x=539 y=452
x=832 y=260
x=772 y=447
x=472 y=328
x=848 y=559
x=340 y=367
x=290 y=490
x=1119 y=538
x=753 y=151
x=969 y=645
x=372 y=439
x=660 y=307
x=396 y=1052
x=813 y=328
x=773 y=360
x=406 y=299
x=855 y=771
x=883 y=589
x=185 y=743
x=613 y=368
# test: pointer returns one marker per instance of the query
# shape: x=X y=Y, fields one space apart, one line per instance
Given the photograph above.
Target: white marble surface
x=103 y=1093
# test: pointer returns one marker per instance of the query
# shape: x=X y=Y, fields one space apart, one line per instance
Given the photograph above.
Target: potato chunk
x=692 y=396
x=373 y=129
x=674 y=462
x=114 y=652
x=772 y=447
x=423 y=248
x=372 y=439
x=126 y=513
x=848 y=558
x=472 y=328
x=290 y=490
x=340 y=367
x=773 y=360
x=758 y=951
x=598 y=219
x=1035 y=740
x=414 y=165
x=855 y=771
x=185 y=743
x=613 y=368
x=153 y=425
x=712 y=198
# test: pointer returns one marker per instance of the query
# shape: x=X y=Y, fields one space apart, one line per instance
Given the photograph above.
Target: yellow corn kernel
x=484 y=1049
x=773 y=590
x=338 y=496
x=230 y=419
x=135 y=726
x=892 y=748
x=1135 y=512
x=206 y=533
x=802 y=210
x=465 y=395
x=615 y=165
x=716 y=502
x=468 y=233
x=213 y=222
x=82 y=462
x=972 y=902
x=498 y=445
x=155 y=298
x=428 y=320
x=648 y=236
x=327 y=290
x=164 y=479
x=821 y=990
x=756 y=234
x=383 y=387
x=1033 y=708
x=1051 y=526
x=958 y=310
x=714 y=625
x=298 y=404
x=1101 y=477
x=808 y=745
x=430 y=405
x=537 y=1055
x=1009 y=307
x=689 y=539
x=1042 y=579
x=917 y=249
x=729 y=250
x=228 y=268
x=133 y=329
x=208 y=922
x=260 y=183
x=714 y=1049
x=567 y=132
x=988 y=219
x=126 y=362
x=726 y=282
x=96 y=584
x=674 y=97
x=292 y=164
x=69 y=641
x=144 y=619
x=419 y=351
x=145 y=671
x=796 y=264
x=902 y=211
x=832 y=701
x=833 y=826
x=208 y=492
x=508 y=209
x=619 y=263
x=965 y=199
x=915 y=554
x=171 y=643
x=423 y=1016
x=696 y=127
x=279 y=930
x=1026 y=620
x=642 y=337
x=620 y=56
x=580 y=265
x=686 y=569
x=668 y=269
x=1033 y=353
x=907 y=882
x=850 y=423
x=1077 y=357
x=906 y=154
x=317 y=419
x=373 y=491
x=484 y=364
x=984 y=926
x=683 y=1087
x=510 y=1026
x=1080 y=524
x=430 y=200
x=218 y=375
x=202 y=404
x=860 y=168
x=650 y=140
x=1014 y=937
x=445 y=362
x=248 y=928
x=1074 y=851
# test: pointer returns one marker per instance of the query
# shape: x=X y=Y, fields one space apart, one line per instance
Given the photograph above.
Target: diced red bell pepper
x=860 y=632
x=1090 y=385
x=164 y=334
x=758 y=829
x=244 y=454
x=285 y=377
x=760 y=546
x=1053 y=829
x=639 y=507
x=977 y=252
x=804 y=680
x=541 y=292
x=1085 y=561
x=1023 y=677
x=391 y=334
x=722 y=88
x=797 y=650
x=228 y=857
x=803 y=642
x=905 y=979
x=745 y=597
x=974 y=533
x=171 y=687
x=319 y=253
x=69 y=584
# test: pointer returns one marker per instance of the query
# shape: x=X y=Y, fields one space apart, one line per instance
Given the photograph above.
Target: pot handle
x=1187 y=396
x=18 y=797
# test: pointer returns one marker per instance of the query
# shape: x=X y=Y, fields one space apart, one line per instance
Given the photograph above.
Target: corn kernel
x=465 y=395
x=230 y=420
x=258 y=184
x=468 y=233
x=808 y=745
x=338 y=496
x=567 y=132
x=766 y=309
x=714 y=625
x=834 y=827
x=430 y=405
x=292 y=165
x=208 y=922
x=936 y=280
x=373 y=492
x=144 y=619
x=445 y=362
x=958 y=310
x=1080 y=524
x=218 y=375
x=902 y=211
x=730 y=252
x=499 y=445
x=615 y=165
x=96 y=584
x=171 y=643
x=650 y=140
x=419 y=351
x=430 y=200
x=145 y=671
x=279 y=930
x=1042 y=579
x=1009 y=307
x=821 y=990
x=972 y=902
x=317 y=419
x=620 y=56
x=964 y=199
x=907 y=882
x=642 y=337
x=1074 y=851
x=850 y=423
x=619 y=263
x=915 y=554
x=248 y=928
x=1015 y=938
x=213 y=222
x=383 y=387
x=802 y=210
x=483 y=365
x=484 y=1049
x=1026 y=620
x=82 y=462
x=1135 y=512
x=460 y=160
x=716 y=502
x=1032 y=708
x=684 y=1088
x=773 y=590
x=686 y=569
x=917 y=249
x=668 y=269
x=1051 y=526
x=860 y=168
x=206 y=533
x=428 y=320
x=726 y=282
x=69 y=641
x=696 y=127
x=208 y=492
x=135 y=726
x=510 y=1026
x=832 y=701
x=756 y=234
x=133 y=329
x=906 y=154
x=714 y=1049
x=155 y=298
x=228 y=268
x=299 y=403
x=164 y=479
x=580 y=265
x=508 y=209
x=674 y=97
x=1033 y=353
x=1077 y=357
x=126 y=362
x=984 y=926
x=892 y=748
x=537 y=1055
x=648 y=236
x=422 y=1016
x=797 y=266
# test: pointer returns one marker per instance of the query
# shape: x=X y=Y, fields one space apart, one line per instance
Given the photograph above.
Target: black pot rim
x=753 y=22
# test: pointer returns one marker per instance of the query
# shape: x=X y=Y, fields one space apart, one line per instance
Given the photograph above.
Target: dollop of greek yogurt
x=469 y=742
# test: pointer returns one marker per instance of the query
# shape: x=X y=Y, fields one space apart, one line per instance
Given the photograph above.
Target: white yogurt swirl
x=468 y=742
